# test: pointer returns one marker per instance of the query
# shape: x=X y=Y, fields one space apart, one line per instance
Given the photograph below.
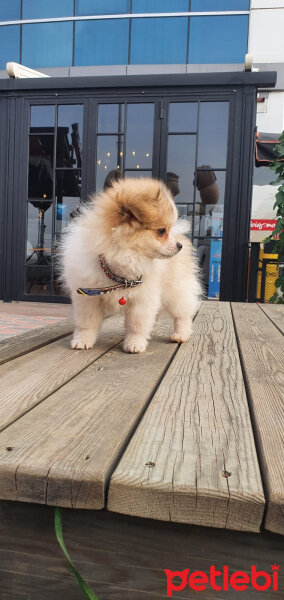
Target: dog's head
x=138 y=214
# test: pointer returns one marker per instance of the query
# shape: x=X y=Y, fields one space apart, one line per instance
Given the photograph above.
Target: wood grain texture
x=262 y=350
x=122 y=558
x=275 y=312
x=27 y=380
x=31 y=340
x=193 y=459
x=64 y=449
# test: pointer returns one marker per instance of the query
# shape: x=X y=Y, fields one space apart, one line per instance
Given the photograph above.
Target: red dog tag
x=122 y=301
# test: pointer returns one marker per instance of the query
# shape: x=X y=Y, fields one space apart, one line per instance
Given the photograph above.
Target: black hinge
x=162 y=110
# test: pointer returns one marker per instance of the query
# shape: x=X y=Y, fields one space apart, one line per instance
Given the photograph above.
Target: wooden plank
x=64 y=449
x=31 y=340
x=27 y=380
x=122 y=558
x=262 y=350
x=192 y=458
x=275 y=312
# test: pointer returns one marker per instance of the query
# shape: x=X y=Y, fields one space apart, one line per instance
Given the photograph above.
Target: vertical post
x=253 y=271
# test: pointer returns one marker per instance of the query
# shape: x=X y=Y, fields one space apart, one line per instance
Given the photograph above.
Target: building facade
x=136 y=87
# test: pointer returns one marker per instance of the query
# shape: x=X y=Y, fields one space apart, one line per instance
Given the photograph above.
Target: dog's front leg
x=139 y=321
x=88 y=316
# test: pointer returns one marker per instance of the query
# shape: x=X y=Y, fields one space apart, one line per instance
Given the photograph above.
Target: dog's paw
x=179 y=338
x=82 y=340
x=134 y=344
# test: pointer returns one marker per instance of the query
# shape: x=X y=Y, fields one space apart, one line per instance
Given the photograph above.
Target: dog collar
x=121 y=282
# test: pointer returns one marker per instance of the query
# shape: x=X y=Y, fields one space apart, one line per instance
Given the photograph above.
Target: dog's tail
x=181 y=226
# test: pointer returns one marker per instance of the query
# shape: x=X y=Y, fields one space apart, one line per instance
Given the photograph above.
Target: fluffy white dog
x=126 y=241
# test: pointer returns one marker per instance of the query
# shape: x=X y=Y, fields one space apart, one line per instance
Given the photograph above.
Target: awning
x=265 y=148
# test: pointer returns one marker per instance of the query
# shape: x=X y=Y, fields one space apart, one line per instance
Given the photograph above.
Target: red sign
x=263 y=224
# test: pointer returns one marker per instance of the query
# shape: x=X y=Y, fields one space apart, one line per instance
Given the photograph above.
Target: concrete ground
x=18 y=317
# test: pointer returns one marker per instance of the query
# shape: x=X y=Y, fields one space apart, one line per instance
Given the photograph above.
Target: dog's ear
x=127 y=216
x=130 y=211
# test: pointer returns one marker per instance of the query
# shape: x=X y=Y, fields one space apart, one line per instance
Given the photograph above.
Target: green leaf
x=59 y=534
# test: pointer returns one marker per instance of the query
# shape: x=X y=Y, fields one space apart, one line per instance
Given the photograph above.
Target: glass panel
x=138 y=174
x=155 y=6
x=111 y=118
x=183 y=116
x=42 y=117
x=10 y=11
x=158 y=41
x=69 y=136
x=41 y=166
x=103 y=42
x=42 y=9
x=181 y=167
x=209 y=207
x=109 y=157
x=47 y=44
x=213 y=134
x=209 y=6
x=218 y=39
x=101 y=7
x=182 y=210
x=139 y=136
x=9 y=44
x=209 y=253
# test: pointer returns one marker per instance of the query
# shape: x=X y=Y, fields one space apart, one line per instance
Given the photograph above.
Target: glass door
x=196 y=136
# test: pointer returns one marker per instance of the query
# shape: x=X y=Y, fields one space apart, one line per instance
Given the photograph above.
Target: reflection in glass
x=109 y=158
x=47 y=44
x=183 y=117
x=102 y=42
x=213 y=134
x=40 y=182
x=43 y=116
x=69 y=136
x=209 y=207
x=221 y=39
x=9 y=44
x=138 y=174
x=68 y=183
x=182 y=210
x=111 y=118
x=158 y=40
x=155 y=6
x=139 y=136
x=181 y=167
x=42 y=9
x=101 y=7
x=10 y=11
x=38 y=248
x=209 y=252
x=209 y=6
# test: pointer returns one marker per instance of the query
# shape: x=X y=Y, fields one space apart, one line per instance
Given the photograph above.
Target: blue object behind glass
x=42 y=9
x=213 y=5
x=163 y=6
x=218 y=39
x=101 y=7
x=158 y=41
x=103 y=42
x=10 y=10
x=9 y=44
x=47 y=45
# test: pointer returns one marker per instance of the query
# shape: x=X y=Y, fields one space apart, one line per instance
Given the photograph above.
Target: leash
x=121 y=282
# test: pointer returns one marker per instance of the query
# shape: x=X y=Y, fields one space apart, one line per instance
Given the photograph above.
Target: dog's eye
x=162 y=231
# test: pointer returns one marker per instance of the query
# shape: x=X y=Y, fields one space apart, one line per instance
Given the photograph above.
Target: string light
x=105 y=167
x=108 y=154
x=133 y=153
x=99 y=162
x=137 y=166
x=147 y=154
x=121 y=154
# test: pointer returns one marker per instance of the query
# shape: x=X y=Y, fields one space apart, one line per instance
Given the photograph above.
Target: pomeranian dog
x=123 y=254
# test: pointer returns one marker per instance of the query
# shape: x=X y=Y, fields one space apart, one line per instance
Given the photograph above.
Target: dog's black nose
x=179 y=246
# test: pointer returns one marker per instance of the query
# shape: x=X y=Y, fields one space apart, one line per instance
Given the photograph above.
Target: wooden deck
x=189 y=434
